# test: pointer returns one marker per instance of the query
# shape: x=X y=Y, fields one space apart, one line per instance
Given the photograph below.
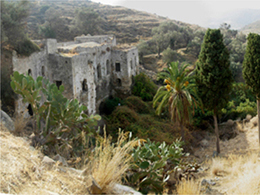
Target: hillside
x=251 y=28
x=126 y=24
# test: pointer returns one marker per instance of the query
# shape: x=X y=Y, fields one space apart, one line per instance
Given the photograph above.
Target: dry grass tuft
x=218 y=166
x=188 y=187
x=110 y=162
x=20 y=122
x=241 y=173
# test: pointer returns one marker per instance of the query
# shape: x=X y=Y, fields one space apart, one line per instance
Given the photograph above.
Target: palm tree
x=178 y=94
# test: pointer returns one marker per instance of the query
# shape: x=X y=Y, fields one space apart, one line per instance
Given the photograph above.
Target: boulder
x=47 y=162
x=204 y=143
x=230 y=122
x=248 y=117
x=254 y=120
x=7 y=121
x=122 y=189
x=61 y=159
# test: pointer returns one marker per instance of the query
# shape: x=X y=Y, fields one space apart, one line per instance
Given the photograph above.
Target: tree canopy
x=213 y=76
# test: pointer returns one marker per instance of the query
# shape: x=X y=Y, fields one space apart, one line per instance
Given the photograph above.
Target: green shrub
x=153 y=163
x=26 y=47
x=110 y=104
x=144 y=87
x=137 y=104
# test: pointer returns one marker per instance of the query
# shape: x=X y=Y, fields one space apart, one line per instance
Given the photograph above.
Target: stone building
x=91 y=68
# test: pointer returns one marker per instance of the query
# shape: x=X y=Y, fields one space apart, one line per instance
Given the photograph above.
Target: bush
x=26 y=47
x=144 y=87
x=153 y=163
x=137 y=104
x=110 y=104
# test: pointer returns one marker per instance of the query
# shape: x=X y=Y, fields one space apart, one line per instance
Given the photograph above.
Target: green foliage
x=179 y=94
x=26 y=47
x=169 y=55
x=66 y=125
x=137 y=105
x=213 y=76
x=87 y=21
x=153 y=163
x=13 y=26
x=251 y=64
x=47 y=31
x=144 y=87
x=169 y=34
x=111 y=104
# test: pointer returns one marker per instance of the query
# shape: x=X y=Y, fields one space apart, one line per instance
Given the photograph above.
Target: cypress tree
x=213 y=76
x=251 y=68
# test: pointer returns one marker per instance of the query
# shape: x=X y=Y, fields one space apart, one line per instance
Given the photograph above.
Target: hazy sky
x=193 y=12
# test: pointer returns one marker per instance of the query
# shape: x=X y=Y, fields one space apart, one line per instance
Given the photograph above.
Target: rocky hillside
x=126 y=24
x=251 y=28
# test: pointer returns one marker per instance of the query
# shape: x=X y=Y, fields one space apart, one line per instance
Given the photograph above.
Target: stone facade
x=91 y=68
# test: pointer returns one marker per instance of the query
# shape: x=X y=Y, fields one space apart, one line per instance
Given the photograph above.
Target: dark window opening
x=30 y=110
x=99 y=71
x=30 y=72
x=131 y=64
x=118 y=68
x=58 y=84
x=43 y=71
x=66 y=61
x=108 y=69
x=84 y=85
x=119 y=82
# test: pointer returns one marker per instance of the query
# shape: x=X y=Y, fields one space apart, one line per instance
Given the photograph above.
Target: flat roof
x=74 y=46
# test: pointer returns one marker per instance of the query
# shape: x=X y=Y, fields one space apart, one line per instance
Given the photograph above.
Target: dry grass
x=241 y=173
x=20 y=122
x=22 y=172
x=110 y=162
x=188 y=187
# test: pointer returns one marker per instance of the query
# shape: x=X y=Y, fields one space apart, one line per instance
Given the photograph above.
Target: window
x=99 y=71
x=30 y=72
x=84 y=85
x=108 y=69
x=119 y=82
x=58 y=84
x=131 y=64
x=43 y=71
x=30 y=110
x=118 y=68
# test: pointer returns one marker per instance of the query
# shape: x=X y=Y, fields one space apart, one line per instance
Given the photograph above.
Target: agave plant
x=178 y=94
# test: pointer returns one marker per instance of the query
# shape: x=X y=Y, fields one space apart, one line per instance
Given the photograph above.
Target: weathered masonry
x=91 y=68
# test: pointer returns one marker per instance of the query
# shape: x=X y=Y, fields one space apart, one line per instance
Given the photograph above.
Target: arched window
x=84 y=85
x=119 y=82
x=108 y=68
x=30 y=72
x=43 y=71
x=131 y=64
x=99 y=71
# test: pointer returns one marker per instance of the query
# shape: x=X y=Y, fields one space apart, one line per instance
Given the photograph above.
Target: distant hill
x=127 y=25
x=251 y=28
x=237 y=19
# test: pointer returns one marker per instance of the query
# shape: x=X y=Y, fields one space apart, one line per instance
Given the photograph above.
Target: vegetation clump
x=144 y=87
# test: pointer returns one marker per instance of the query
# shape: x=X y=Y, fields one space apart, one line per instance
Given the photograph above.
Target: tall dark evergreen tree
x=213 y=76
x=251 y=69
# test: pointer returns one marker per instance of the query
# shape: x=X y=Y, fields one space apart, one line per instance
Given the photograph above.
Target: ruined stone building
x=91 y=68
